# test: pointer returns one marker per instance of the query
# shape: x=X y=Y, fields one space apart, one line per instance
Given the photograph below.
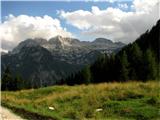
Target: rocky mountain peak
x=65 y=44
x=40 y=41
x=60 y=41
x=26 y=43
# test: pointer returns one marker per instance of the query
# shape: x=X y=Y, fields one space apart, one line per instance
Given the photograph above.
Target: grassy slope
x=132 y=100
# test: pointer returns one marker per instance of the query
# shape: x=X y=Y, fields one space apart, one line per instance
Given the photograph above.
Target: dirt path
x=6 y=114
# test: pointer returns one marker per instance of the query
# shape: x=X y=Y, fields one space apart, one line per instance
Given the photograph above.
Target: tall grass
x=131 y=100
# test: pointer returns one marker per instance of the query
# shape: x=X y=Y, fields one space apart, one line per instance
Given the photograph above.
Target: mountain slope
x=37 y=64
x=42 y=63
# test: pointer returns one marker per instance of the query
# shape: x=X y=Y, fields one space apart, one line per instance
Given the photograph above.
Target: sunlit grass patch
x=126 y=101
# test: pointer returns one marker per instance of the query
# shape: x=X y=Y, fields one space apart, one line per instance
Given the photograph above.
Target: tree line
x=10 y=83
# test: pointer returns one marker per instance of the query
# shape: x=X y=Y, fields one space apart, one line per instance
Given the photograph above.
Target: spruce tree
x=150 y=65
x=86 y=75
x=124 y=67
x=19 y=82
x=7 y=80
x=135 y=58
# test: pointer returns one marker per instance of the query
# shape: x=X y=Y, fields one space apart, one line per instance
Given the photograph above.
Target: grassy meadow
x=105 y=101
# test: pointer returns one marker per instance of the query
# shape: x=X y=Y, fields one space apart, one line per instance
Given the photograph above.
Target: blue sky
x=122 y=20
x=41 y=8
x=50 y=7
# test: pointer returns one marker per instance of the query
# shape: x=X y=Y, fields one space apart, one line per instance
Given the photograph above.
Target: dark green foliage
x=151 y=69
x=124 y=71
x=152 y=101
x=98 y=69
x=9 y=82
x=82 y=77
x=86 y=75
x=136 y=62
x=6 y=82
x=19 y=82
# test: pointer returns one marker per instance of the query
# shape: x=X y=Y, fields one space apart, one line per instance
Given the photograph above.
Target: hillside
x=114 y=101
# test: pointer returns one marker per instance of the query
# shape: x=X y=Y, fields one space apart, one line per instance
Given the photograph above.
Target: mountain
x=42 y=63
x=72 y=50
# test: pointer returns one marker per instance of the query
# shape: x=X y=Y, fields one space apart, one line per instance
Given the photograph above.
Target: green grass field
x=115 y=101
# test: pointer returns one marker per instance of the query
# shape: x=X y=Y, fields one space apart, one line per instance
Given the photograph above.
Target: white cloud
x=144 y=5
x=123 y=6
x=2 y=50
x=17 y=29
x=115 y=23
x=72 y=18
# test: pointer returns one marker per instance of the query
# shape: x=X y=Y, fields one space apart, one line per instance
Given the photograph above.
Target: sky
x=117 y=20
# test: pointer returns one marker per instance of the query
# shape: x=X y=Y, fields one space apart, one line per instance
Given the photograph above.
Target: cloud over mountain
x=17 y=28
x=115 y=23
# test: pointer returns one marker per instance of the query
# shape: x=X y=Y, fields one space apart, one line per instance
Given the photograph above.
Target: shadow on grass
x=28 y=115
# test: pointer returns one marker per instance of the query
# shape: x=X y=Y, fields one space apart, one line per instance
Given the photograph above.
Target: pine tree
x=111 y=68
x=132 y=74
x=124 y=67
x=98 y=69
x=86 y=75
x=7 y=80
x=150 y=65
x=19 y=82
x=135 y=58
x=158 y=72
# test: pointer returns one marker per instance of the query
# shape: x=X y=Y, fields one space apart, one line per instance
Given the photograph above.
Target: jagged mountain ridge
x=70 y=49
x=48 y=61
